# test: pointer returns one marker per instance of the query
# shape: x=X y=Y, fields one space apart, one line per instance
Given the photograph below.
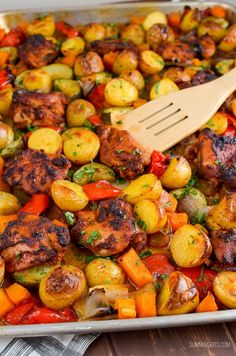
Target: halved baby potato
x=120 y=92
x=224 y=287
x=5 y=101
x=37 y=80
x=103 y=271
x=177 y=174
x=151 y=214
x=218 y=123
x=72 y=46
x=2 y=269
x=146 y=186
x=178 y=295
x=58 y=71
x=68 y=195
x=134 y=77
x=78 y=111
x=125 y=61
x=163 y=87
x=190 y=247
x=69 y=87
x=45 y=139
x=150 y=62
x=6 y=135
x=9 y=204
x=153 y=18
x=80 y=145
x=44 y=26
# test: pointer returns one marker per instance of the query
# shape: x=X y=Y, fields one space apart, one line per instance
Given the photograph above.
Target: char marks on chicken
x=34 y=171
x=32 y=240
x=108 y=230
x=108 y=45
x=224 y=245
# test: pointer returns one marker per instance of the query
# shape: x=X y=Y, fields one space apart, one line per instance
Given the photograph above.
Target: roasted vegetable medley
x=92 y=224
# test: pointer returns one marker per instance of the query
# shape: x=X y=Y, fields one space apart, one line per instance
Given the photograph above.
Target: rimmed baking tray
x=115 y=13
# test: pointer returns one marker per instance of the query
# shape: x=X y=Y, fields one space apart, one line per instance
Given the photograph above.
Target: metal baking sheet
x=116 y=13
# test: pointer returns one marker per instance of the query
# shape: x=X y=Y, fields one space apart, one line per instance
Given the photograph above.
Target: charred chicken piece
x=108 y=230
x=32 y=240
x=105 y=46
x=34 y=171
x=122 y=152
x=224 y=245
x=218 y=157
x=31 y=108
x=37 y=51
x=176 y=52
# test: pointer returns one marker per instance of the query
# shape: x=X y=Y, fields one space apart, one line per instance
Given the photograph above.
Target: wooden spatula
x=164 y=121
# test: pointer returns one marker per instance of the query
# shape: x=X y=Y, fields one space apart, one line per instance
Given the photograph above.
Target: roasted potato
x=98 y=78
x=88 y=63
x=133 y=33
x=12 y=52
x=32 y=277
x=120 y=92
x=194 y=203
x=178 y=295
x=146 y=186
x=103 y=271
x=163 y=87
x=94 y=31
x=224 y=66
x=93 y=172
x=9 y=204
x=68 y=195
x=134 y=77
x=218 y=123
x=2 y=269
x=5 y=101
x=62 y=286
x=151 y=62
x=228 y=43
x=190 y=20
x=44 y=26
x=19 y=80
x=177 y=174
x=153 y=18
x=223 y=215
x=80 y=145
x=37 y=80
x=58 y=71
x=159 y=33
x=113 y=115
x=215 y=27
x=72 y=46
x=76 y=256
x=12 y=148
x=6 y=135
x=69 y=87
x=151 y=215
x=46 y=140
x=127 y=60
x=224 y=287
x=190 y=247
x=78 y=111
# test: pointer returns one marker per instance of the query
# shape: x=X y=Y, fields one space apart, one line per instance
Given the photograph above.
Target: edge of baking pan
x=104 y=12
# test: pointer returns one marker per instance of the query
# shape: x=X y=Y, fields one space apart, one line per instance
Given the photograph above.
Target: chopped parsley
x=135 y=151
x=201 y=274
x=18 y=256
x=219 y=164
x=83 y=232
x=198 y=218
x=167 y=204
x=70 y=173
x=32 y=128
x=120 y=181
x=70 y=217
x=142 y=225
x=88 y=125
x=119 y=151
x=137 y=263
x=163 y=276
x=145 y=254
x=94 y=235
x=94 y=206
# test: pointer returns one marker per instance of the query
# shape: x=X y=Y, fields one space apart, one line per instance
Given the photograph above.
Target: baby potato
x=159 y=33
x=120 y=92
x=68 y=195
x=125 y=61
x=31 y=277
x=151 y=62
x=62 y=286
x=37 y=80
x=163 y=87
x=69 y=87
x=44 y=26
x=224 y=287
x=58 y=71
x=223 y=215
x=228 y=43
x=134 y=77
x=80 y=145
x=218 y=123
x=177 y=174
x=133 y=33
x=193 y=204
x=78 y=111
x=146 y=186
x=12 y=52
x=76 y=256
x=72 y=46
x=45 y=139
x=112 y=115
x=98 y=78
x=103 y=271
x=178 y=295
x=6 y=135
x=224 y=66
x=9 y=204
x=154 y=17
x=189 y=21
x=151 y=215
x=94 y=31
x=88 y=63
x=20 y=78
x=190 y=247
x=2 y=269
x=5 y=101
x=215 y=27
x=93 y=172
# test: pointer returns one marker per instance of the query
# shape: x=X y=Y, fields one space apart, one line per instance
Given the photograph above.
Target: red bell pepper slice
x=67 y=29
x=36 y=205
x=230 y=131
x=95 y=120
x=45 y=315
x=159 y=163
x=101 y=190
x=97 y=96
x=13 y=38
x=202 y=278
x=158 y=264
x=16 y=315
x=5 y=78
